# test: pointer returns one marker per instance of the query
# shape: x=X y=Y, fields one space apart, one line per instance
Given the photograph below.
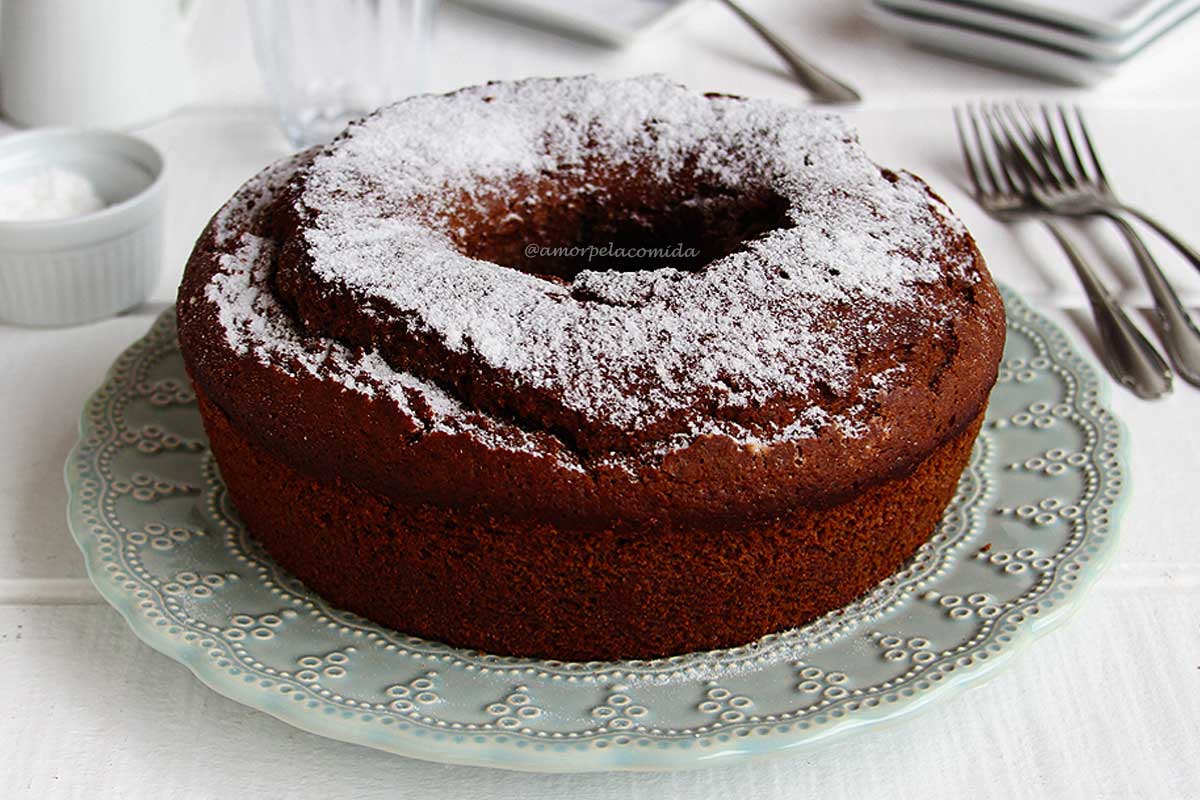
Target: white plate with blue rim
x=1028 y=531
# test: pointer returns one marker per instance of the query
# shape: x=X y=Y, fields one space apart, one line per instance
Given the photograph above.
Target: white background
x=1108 y=706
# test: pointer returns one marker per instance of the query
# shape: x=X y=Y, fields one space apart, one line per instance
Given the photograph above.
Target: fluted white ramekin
x=69 y=271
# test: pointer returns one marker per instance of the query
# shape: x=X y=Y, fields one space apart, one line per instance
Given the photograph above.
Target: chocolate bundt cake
x=589 y=370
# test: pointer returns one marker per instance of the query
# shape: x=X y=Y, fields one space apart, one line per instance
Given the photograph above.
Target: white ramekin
x=69 y=271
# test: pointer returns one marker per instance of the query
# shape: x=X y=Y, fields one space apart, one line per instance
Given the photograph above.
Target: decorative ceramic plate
x=1028 y=531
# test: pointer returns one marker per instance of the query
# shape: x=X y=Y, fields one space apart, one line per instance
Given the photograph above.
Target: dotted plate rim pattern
x=1029 y=530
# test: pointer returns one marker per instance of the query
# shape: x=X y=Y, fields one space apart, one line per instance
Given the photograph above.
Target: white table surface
x=1108 y=706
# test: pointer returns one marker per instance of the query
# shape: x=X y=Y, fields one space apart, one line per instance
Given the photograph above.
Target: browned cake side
x=578 y=595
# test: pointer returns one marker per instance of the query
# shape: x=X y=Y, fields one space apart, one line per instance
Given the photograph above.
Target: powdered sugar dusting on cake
x=750 y=327
x=745 y=324
x=255 y=324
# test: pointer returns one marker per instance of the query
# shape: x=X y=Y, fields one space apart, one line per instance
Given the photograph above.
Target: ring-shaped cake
x=589 y=369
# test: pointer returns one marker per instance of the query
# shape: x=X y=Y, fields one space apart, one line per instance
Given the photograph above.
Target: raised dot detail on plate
x=1077 y=511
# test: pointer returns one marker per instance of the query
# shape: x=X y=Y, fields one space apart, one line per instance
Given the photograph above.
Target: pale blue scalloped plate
x=1029 y=530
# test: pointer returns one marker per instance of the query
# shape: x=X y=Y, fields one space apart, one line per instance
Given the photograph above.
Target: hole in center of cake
x=625 y=225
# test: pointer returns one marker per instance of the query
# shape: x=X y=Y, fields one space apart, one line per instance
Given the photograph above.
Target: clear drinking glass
x=326 y=62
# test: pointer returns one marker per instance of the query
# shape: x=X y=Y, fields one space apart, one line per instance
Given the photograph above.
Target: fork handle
x=822 y=84
x=1185 y=249
x=1128 y=355
x=1179 y=335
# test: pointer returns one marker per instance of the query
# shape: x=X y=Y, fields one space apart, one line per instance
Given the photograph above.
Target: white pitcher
x=96 y=63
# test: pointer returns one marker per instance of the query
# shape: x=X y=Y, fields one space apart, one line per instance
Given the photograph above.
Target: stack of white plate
x=615 y=22
x=1078 y=41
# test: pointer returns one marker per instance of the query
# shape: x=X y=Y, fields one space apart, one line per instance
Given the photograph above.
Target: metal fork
x=1094 y=191
x=1061 y=182
x=1000 y=190
x=824 y=86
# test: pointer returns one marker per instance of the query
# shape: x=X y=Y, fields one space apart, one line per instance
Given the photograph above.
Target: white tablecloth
x=1108 y=706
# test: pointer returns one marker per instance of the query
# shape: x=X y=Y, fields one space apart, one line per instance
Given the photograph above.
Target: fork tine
x=982 y=149
x=972 y=170
x=1055 y=147
x=1080 y=167
x=1019 y=165
x=1026 y=130
x=1022 y=143
x=1012 y=181
x=1087 y=139
x=966 y=151
x=978 y=165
